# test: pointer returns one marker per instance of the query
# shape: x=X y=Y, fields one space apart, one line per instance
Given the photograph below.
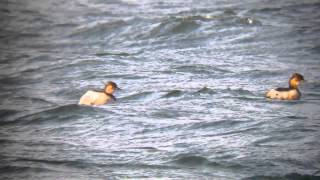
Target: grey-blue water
x=193 y=76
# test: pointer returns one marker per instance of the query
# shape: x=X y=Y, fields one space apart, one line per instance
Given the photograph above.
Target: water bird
x=290 y=93
x=99 y=97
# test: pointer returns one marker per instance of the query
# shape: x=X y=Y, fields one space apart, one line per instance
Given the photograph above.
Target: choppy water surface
x=193 y=75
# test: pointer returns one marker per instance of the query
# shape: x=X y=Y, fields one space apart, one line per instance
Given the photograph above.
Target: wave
x=286 y=8
x=138 y=96
x=191 y=160
x=113 y=54
x=200 y=69
x=56 y=114
x=174 y=26
x=256 y=73
x=98 y=29
x=12 y=112
x=240 y=93
x=19 y=170
x=4 y=113
x=223 y=123
x=206 y=90
x=315 y=49
x=249 y=21
x=173 y=93
x=199 y=161
x=291 y=176
x=84 y=164
x=186 y=24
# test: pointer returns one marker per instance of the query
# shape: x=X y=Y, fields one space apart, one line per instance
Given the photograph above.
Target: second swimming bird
x=290 y=93
x=95 y=98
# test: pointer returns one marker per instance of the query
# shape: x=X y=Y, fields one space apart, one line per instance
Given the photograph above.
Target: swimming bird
x=290 y=93
x=95 y=98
